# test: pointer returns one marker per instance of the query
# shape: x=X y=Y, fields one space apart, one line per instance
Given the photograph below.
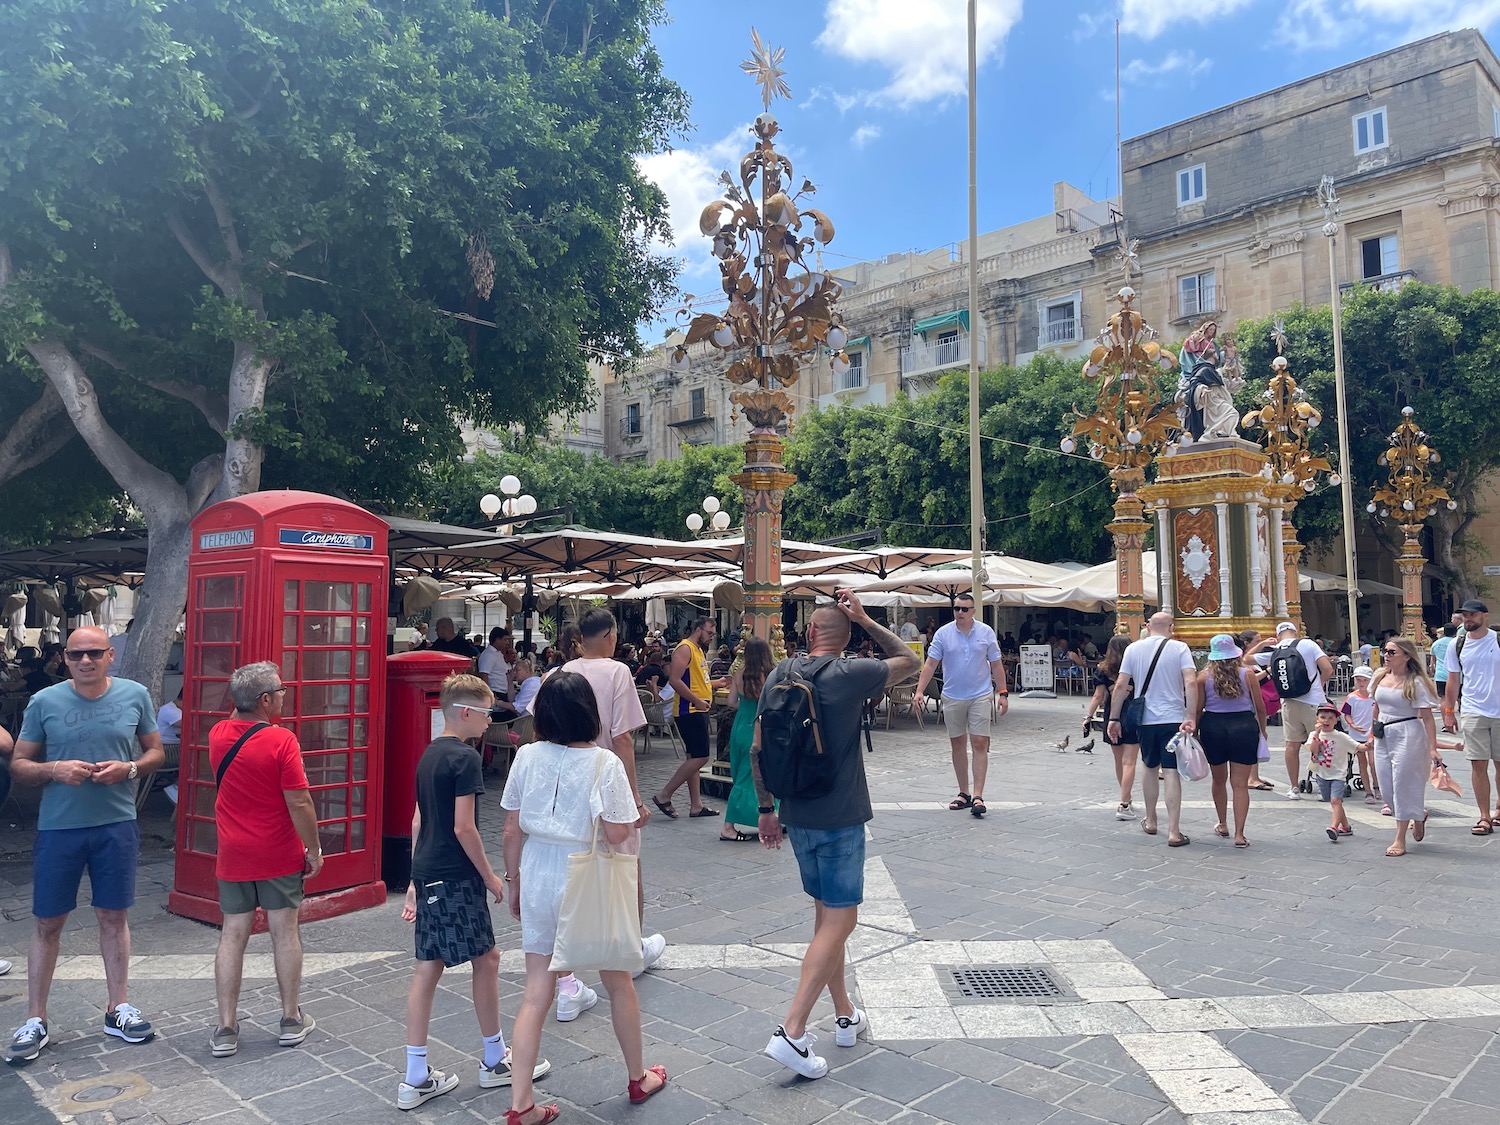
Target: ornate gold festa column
x=1287 y=420
x=1127 y=429
x=1412 y=495
x=780 y=313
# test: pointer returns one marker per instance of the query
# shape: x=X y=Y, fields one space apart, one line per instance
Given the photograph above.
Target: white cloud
x=864 y=135
x=1306 y=24
x=689 y=177
x=1175 y=65
x=843 y=102
x=1149 y=18
x=1091 y=23
x=924 y=44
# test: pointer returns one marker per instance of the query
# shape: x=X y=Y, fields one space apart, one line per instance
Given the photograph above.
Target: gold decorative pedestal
x=1219 y=540
x=764 y=482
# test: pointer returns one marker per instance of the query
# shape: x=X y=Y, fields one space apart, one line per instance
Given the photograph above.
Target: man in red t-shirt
x=268 y=840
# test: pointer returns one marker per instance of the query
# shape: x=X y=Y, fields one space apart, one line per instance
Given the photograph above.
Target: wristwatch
x=766 y=810
x=133 y=772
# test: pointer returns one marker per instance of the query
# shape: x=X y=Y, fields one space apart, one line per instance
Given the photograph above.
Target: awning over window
x=945 y=320
x=858 y=342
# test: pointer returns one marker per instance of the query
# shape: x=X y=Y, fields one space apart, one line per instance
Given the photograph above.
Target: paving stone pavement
x=1295 y=981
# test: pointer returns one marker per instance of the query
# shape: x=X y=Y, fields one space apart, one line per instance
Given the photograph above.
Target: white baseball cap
x=1285 y=627
x=1364 y=670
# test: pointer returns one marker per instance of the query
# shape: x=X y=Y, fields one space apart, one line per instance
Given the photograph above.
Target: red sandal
x=638 y=1095
x=549 y=1113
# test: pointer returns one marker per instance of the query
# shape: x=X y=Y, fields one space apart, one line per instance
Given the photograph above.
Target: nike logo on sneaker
x=803 y=1051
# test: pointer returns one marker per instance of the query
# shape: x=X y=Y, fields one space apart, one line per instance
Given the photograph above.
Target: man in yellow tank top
x=688 y=675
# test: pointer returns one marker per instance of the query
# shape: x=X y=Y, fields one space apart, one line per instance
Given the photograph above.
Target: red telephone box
x=301 y=580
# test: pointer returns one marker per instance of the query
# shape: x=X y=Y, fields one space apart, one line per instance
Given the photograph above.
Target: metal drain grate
x=1007 y=982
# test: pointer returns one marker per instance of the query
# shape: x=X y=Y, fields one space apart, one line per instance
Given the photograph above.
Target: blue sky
x=877 y=117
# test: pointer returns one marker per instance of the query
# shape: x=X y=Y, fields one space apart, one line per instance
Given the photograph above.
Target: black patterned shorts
x=453 y=922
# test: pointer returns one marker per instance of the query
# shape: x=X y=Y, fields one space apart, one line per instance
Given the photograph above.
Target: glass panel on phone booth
x=221 y=627
x=288 y=632
x=361 y=734
x=358 y=763
x=361 y=698
x=288 y=667
x=219 y=592
x=364 y=597
x=331 y=837
x=325 y=699
x=362 y=631
x=215 y=661
x=330 y=665
x=203 y=837
x=291 y=594
x=337 y=596
x=331 y=804
x=203 y=800
x=357 y=834
x=327 y=630
x=357 y=801
x=361 y=663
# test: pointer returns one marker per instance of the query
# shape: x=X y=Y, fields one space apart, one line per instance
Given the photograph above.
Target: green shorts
x=282 y=893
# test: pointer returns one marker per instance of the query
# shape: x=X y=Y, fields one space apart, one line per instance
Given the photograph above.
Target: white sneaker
x=796 y=1054
x=652 y=947
x=1124 y=812
x=849 y=1028
x=501 y=1074
x=5 y=966
x=571 y=1005
x=409 y=1097
x=1294 y=794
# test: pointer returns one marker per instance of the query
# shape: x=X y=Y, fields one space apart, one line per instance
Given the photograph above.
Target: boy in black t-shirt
x=450 y=875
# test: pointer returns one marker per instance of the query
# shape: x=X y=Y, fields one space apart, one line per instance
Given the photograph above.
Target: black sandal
x=666 y=808
x=977 y=807
x=962 y=801
x=738 y=838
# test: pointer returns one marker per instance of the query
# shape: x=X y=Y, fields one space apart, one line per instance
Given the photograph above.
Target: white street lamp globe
x=1408 y=505
x=1068 y=445
x=721 y=520
x=1370 y=507
x=489 y=504
x=1453 y=505
x=510 y=485
x=710 y=504
x=1133 y=437
x=837 y=338
x=1288 y=478
x=509 y=508
x=526 y=505
x=1308 y=486
x=839 y=364
x=723 y=335
x=1335 y=480
x=694 y=522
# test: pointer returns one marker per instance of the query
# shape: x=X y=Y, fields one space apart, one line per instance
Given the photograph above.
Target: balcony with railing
x=632 y=429
x=1385 y=282
x=923 y=358
x=691 y=414
x=1060 y=331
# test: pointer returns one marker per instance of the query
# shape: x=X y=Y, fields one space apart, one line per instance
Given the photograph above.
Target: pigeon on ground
x=1086 y=748
x=1063 y=745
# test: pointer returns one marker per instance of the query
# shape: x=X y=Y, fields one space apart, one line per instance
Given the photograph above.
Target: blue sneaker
x=27 y=1043
x=127 y=1023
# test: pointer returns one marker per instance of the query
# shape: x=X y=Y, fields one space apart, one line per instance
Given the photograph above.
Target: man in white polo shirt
x=1474 y=677
x=1299 y=709
x=969 y=654
x=1160 y=670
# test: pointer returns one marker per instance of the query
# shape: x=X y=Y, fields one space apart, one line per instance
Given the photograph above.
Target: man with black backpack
x=807 y=753
x=1298 y=670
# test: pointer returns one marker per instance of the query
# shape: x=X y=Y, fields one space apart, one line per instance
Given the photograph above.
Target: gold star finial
x=764 y=65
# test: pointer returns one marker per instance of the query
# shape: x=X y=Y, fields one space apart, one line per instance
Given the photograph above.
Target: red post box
x=300 y=580
x=414 y=719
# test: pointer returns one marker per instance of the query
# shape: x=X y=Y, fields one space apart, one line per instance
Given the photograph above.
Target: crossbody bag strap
x=255 y=728
x=1151 y=671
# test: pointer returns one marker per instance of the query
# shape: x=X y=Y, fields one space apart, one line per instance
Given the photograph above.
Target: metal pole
x=976 y=320
x=1330 y=229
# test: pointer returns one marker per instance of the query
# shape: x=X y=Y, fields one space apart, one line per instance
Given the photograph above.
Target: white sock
x=494 y=1048
x=416 y=1064
x=570 y=985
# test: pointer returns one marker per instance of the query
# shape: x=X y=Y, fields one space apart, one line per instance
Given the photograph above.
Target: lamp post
x=718 y=518
x=1412 y=495
x=1130 y=425
x=780 y=313
x=519 y=508
x=1287 y=419
x=1328 y=199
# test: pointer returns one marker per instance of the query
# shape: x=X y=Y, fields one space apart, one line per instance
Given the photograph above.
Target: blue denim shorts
x=108 y=852
x=832 y=862
x=1332 y=788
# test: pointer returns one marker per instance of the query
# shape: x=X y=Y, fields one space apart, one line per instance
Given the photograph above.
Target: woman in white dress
x=1406 y=752
x=557 y=788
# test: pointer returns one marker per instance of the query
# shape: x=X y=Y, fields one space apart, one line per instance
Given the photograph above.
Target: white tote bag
x=598 y=926
x=1192 y=763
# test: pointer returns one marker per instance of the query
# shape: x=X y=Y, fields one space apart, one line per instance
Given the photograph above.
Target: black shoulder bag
x=1131 y=718
x=255 y=728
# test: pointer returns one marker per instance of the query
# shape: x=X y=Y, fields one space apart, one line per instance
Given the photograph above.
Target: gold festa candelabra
x=1130 y=425
x=1411 y=494
x=780 y=313
x=1287 y=421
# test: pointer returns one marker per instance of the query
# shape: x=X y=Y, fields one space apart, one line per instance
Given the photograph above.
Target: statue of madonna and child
x=1210 y=377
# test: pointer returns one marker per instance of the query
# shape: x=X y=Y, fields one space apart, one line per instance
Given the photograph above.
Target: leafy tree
x=286 y=241
x=1435 y=349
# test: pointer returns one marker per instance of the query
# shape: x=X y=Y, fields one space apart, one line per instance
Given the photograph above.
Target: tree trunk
x=158 y=604
x=1447 y=532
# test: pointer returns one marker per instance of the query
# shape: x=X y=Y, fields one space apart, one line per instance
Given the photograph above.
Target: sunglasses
x=1392 y=651
x=963 y=609
x=76 y=654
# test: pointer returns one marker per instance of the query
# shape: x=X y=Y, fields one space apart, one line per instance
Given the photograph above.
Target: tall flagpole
x=976 y=320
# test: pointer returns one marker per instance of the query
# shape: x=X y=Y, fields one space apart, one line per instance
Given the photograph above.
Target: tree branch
x=189 y=241
x=214 y=408
x=40 y=431
x=225 y=219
